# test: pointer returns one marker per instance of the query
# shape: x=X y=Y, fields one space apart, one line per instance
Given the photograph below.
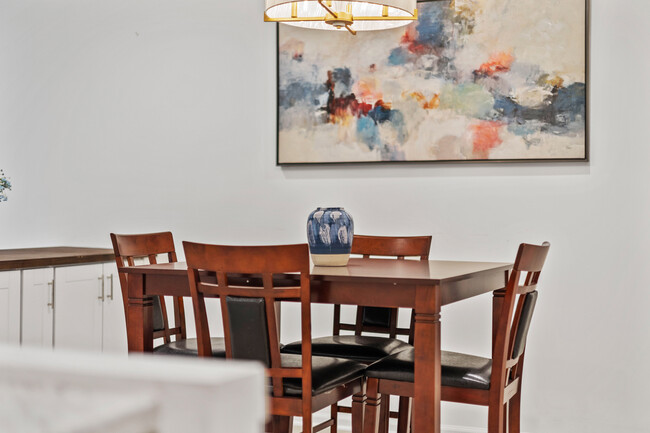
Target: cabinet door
x=114 y=318
x=38 y=307
x=10 y=307
x=80 y=291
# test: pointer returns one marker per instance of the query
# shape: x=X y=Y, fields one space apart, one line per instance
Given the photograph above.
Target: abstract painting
x=471 y=80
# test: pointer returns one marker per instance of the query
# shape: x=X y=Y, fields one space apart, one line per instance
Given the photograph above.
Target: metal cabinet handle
x=51 y=303
x=101 y=298
x=110 y=278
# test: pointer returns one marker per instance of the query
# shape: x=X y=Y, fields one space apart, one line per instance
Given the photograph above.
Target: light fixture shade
x=382 y=14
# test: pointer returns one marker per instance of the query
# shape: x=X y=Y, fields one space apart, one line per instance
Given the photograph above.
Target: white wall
x=135 y=116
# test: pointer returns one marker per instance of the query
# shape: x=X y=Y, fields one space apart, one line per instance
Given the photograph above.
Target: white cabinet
x=10 y=307
x=73 y=307
x=88 y=309
x=78 y=307
x=113 y=317
x=37 y=307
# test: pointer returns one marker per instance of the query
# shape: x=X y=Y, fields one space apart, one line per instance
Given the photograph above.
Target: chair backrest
x=249 y=281
x=376 y=319
x=128 y=249
x=517 y=307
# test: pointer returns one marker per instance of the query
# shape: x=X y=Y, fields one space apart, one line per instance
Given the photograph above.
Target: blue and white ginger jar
x=329 y=232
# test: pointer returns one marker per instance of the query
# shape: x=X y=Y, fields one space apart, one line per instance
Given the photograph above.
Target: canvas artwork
x=471 y=80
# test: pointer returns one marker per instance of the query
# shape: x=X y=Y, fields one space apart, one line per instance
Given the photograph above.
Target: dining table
x=424 y=286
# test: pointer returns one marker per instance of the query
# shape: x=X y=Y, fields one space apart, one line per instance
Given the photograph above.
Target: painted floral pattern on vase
x=5 y=186
x=330 y=232
x=471 y=80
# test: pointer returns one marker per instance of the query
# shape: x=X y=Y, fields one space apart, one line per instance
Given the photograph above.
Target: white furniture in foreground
x=42 y=391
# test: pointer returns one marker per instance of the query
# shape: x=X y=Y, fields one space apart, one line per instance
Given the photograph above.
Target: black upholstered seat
x=458 y=369
x=130 y=249
x=356 y=347
x=189 y=347
x=326 y=373
x=298 y=385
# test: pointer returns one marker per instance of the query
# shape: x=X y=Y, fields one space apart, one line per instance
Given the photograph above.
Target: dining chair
x=133 y=248
x=249 y=281
x=493 y=382
x=360 y=346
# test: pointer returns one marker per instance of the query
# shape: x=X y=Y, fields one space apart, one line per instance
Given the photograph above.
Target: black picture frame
x=585 y=159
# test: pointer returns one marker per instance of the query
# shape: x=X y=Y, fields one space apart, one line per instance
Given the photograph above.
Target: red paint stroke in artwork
x=485 y=138
x=343 y=108
x=410 y=40
x=382 y=104
x=498 y=62
x=367 y=90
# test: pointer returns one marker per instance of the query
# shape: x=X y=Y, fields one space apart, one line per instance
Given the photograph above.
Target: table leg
x=426 y=404
x=498 y=297
x=139 y=328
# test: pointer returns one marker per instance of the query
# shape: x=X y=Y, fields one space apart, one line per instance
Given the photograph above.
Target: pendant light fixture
x=350 y=15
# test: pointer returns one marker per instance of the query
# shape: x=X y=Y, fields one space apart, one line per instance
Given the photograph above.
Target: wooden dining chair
x=360 y=346
x=133 y=248
x=300 y=384
x=494 y=382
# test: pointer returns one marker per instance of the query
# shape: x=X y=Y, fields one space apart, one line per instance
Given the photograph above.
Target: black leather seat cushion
x=189 y=347
x=358 y=348
x=458 y=369
x=326 y=373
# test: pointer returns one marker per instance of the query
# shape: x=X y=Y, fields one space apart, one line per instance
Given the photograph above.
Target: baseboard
x=344 y=425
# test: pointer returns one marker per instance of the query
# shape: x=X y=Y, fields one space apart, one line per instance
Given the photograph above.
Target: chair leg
x=384 y=414
x=373 y=401
x=404 y=415
x=496 y=419
x=358 y=403
x=282 y=424
x=514 y=413
x=334 y=414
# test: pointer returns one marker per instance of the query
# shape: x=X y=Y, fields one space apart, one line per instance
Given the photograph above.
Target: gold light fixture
x=350 y=15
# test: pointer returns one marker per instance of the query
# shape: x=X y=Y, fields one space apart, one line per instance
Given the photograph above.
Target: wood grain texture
x=503 y=397
x=425 y=286
x=26 y=258
x=148 y=246
x=204 y=260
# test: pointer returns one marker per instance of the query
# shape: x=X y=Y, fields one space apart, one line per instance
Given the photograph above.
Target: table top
x=25 y=258
x=411 y=271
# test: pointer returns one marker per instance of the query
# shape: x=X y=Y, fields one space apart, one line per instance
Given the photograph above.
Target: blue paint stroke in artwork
x=506 y=107
x=368 y=132
x=563 y=115
x=397 y=120
x=431 y=25
x=342 y=78
x=523 y=129
x=571 y=101
x=380 y=114
x=400 y=56
x=392 y=152
x=567 y=105
x=301 y=92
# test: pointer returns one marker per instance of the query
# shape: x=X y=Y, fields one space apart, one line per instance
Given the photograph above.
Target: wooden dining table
x=425 y=286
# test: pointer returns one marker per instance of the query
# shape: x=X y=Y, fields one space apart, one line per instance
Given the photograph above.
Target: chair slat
x=512 y=311
x=249 y=316
x=399 y=247
x=531 y=258
x=127 y=248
